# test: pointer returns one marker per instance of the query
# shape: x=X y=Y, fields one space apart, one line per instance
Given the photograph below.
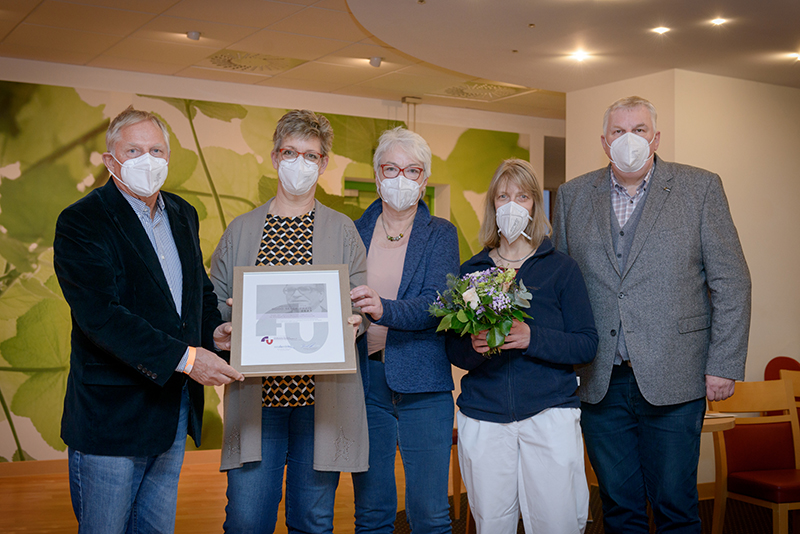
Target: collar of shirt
x=139 y=206
x=622 y=190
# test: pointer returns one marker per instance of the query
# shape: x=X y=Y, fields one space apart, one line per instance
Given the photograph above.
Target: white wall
x=747 y=132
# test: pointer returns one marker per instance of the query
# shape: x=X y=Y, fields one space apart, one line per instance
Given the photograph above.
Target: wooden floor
x=35 y=498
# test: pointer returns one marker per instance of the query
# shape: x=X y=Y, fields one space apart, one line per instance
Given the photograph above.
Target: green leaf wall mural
x=51 y=140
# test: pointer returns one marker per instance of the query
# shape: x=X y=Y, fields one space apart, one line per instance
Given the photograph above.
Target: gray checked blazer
x=683 y=297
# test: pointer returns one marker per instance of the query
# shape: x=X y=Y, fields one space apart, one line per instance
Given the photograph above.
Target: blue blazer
x=415 y=355
x=123 y=393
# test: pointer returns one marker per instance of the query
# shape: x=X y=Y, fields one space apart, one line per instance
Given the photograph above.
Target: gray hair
x=519 y=172
x=129 y=117
x=304 y=124
x=409 y=142
x=630 y=102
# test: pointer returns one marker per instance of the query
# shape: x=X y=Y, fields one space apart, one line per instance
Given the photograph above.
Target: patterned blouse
x=287 y=241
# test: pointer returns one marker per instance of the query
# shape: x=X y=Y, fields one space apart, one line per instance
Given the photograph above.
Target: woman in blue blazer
x=409 y=381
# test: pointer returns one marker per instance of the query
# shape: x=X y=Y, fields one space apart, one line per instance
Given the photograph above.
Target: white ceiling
x=479 y=54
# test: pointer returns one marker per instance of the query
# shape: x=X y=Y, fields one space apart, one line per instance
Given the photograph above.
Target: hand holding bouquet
x=487 y=300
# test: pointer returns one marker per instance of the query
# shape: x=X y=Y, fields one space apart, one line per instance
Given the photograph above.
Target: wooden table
x=715 y=423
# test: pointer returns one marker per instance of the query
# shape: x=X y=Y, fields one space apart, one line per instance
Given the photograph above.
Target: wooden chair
x=777 y=364
x=455 y=474
x=758 y=461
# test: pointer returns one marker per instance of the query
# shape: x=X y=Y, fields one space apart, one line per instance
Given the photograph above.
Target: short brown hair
x=304 y=124
x=128 y=117
x=521 y=173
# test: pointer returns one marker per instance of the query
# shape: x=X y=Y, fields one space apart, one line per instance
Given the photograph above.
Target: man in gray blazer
x=670 y=291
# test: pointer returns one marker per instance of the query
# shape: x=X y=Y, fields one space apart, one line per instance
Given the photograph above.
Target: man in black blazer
x=670 y=291
x=144 y=325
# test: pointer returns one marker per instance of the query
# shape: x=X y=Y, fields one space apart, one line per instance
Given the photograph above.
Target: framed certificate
x=292 y=320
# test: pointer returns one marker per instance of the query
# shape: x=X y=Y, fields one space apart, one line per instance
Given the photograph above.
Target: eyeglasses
x=288 y=154
x=302 y=289
x=412 y=172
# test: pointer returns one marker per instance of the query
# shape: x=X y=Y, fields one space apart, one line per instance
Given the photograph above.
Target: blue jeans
x=421 y=425
x=128 y=494
x=254 y=490
x=643 y=452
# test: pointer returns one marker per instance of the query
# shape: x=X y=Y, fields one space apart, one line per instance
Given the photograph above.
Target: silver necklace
x=514 y=261
x=398 y=238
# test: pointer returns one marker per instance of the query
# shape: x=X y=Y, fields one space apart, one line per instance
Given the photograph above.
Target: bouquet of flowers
x=484 y=300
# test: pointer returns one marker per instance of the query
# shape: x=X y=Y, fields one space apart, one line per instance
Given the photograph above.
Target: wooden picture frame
x=292 y=320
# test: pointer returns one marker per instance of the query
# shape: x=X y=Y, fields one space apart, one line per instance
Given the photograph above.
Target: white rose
x=470 y=296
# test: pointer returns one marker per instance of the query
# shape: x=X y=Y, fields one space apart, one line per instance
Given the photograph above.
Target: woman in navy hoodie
x=519 y=440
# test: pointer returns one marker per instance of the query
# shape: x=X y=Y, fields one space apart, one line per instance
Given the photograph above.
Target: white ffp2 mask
x=298 y=176
x=143 y=175
x=512 y=219
x=630 y=152
x=400 y=192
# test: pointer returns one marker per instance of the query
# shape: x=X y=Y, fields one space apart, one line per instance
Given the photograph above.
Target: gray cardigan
x=341 y=438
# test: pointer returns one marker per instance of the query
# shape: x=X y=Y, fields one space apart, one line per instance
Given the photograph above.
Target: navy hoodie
x=517 y=384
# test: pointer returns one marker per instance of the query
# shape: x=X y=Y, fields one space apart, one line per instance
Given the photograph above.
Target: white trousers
x=532 y=467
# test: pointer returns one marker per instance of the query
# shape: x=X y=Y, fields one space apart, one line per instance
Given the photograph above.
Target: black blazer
x=123 y=393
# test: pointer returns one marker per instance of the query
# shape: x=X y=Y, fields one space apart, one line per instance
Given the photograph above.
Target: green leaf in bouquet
x=462 y=316
x=519 y=315
x=522 y=296
x=505 y=326
x=495 y=337
x=444 y=324
x=469 y=327
x=436 y=311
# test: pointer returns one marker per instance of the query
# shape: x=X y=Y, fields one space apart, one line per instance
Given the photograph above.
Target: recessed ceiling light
x=580 y=55
x=717 y=22
x=795 y=56
x=193 y=35
x=375 y=61
x=661 y=30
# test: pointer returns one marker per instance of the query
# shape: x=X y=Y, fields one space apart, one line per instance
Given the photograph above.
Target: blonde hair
x=127 y=118
x=304 y=124
x=520 y=173
x=630 y=102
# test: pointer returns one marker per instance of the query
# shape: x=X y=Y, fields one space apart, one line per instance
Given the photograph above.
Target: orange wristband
x=190 y=360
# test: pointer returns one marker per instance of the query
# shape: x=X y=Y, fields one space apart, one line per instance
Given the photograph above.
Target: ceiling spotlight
x=661 y=30
x=717 y=22
x=194 y=36
x=796 y=56
x=375 y=61
x=580 y=55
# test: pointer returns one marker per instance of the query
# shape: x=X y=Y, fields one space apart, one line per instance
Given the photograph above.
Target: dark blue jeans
x=421 y=425
x=642 y=452
x=254 y=490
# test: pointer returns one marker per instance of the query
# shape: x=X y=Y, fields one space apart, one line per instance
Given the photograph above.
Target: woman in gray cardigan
x=314 y=426
x=409 y=402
